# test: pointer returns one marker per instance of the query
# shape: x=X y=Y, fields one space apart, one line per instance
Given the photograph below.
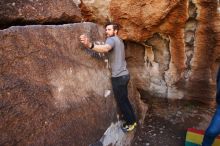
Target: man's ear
x=116 y=31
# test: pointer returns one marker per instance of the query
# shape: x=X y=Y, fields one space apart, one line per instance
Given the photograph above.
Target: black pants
x=120 y=89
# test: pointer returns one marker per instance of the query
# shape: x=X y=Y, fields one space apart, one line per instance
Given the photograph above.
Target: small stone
x=107 y=93
x=161 y=128
x=179 y=112
x=147 y=144
x=195 y=111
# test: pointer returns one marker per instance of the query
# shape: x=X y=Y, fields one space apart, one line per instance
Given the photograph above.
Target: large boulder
x=179 y=36
x=136 y=18
x=205 y=51
x=179 y=39
x=23 y=12
x=52 y=90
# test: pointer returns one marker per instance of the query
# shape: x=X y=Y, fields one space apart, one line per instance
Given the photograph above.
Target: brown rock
x=95 y=10
x=173 y=48
x=185 y=66
x=206 y=53
x=51 y=89
x=170 y=63
x=23 y=12
x=141 y=15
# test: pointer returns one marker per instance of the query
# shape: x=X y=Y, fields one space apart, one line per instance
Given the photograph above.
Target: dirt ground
x=167 y=121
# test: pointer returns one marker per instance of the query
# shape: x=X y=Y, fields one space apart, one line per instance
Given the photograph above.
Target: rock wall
x=206 y=52
x=180 y=42
x=23 y=12
x=53 y=92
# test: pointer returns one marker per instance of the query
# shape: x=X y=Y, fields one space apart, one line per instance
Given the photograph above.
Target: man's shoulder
x=115 y=38
x=114 y=41
x=112 y=37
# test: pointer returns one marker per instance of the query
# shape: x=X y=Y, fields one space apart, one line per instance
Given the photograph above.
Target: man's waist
x=120 y=73
x=122 y=76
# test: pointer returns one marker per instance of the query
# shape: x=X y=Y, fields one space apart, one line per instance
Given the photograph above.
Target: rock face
x=177 y=41
x=23 y=12
x=207 y=31
x=52 y=90
x=143 y=14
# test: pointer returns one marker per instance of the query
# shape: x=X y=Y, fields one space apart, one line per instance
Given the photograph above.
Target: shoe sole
x=131 y=129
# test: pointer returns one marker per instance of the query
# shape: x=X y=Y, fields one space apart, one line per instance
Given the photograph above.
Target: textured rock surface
x=206 y=53
x=183 y=37
x=173 y=51
x=180 y=41
x=17 y=12
x=141 y=15
x=96 y=10
x=52 y=90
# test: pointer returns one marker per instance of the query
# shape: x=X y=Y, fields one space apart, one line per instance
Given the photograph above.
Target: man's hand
x=85 y=41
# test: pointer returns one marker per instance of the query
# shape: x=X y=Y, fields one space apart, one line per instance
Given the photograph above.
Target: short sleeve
x=110 y=41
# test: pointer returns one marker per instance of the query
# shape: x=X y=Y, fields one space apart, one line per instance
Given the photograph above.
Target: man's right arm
x=101 y=48
x=98 y=48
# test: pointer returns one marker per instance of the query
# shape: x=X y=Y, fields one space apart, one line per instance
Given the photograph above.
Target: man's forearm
x=101 y=48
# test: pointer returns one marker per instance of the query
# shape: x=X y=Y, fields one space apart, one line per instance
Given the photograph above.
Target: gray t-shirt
x=117 y=56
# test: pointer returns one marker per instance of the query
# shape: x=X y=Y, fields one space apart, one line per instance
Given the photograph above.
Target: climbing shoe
x=128 y=128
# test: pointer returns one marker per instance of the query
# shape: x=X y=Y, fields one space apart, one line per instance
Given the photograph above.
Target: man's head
x=111 y=29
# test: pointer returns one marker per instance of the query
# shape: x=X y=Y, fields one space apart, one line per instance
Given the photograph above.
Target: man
x=214 y=128
x=120 y=75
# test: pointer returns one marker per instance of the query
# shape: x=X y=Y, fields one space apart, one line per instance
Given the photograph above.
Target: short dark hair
x=115 y=25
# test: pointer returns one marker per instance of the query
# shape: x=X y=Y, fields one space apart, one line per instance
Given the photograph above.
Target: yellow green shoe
x=128 y=128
